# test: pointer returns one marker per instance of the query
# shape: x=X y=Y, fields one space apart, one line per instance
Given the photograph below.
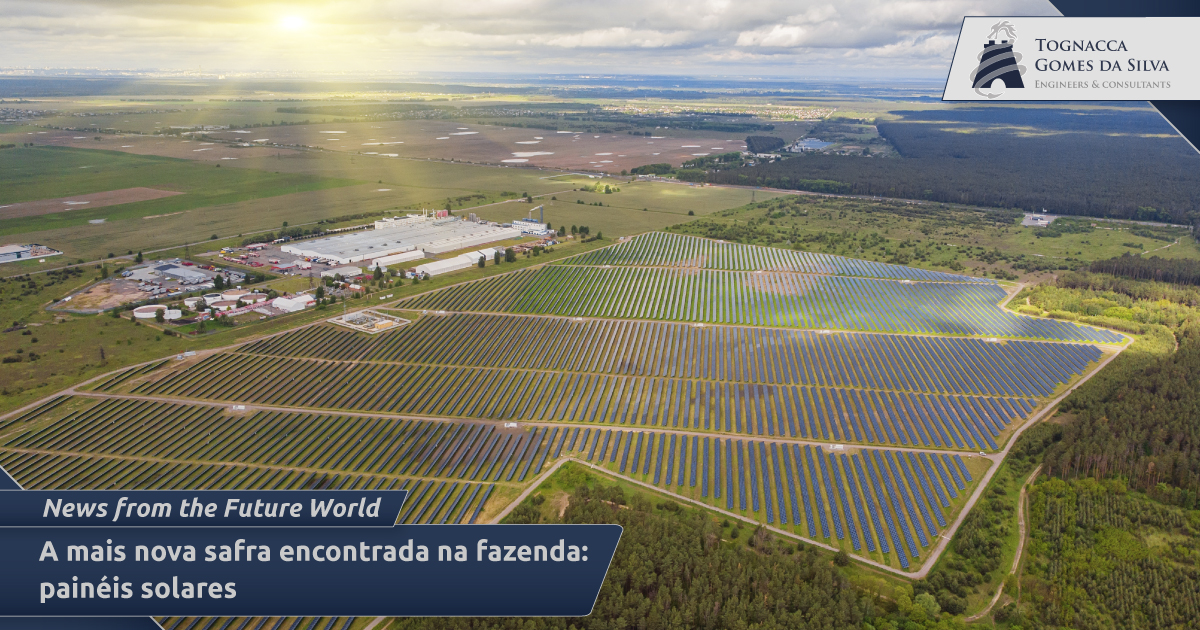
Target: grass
x=32 y=173
x=74 y=348
x=929 y=236
x=638 y=207
x=69 y=346
x=298 y=189
x=1009 y=479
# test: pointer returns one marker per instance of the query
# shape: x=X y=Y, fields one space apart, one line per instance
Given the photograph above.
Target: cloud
x=381 y=36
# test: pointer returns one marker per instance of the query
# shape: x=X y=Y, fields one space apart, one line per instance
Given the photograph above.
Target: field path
x=252 y=407
x=1020 y=545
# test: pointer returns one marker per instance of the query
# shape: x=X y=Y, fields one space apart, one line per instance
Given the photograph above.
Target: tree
x=219 y=282
x=320 y=293
x=378 y=275
x=482 y=262
x=929 y=604
x=159 y=317
x=139 y=257
x=510 y=255
x=496 y=258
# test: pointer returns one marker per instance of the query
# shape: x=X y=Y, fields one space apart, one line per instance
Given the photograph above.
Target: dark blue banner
x=200 y=508
x=408 y=570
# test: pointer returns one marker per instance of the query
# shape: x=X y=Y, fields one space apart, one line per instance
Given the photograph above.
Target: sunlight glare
x=292 y=23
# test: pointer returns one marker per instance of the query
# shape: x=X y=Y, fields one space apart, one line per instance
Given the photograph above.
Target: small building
x=9 y=253
x=254 y=247
x=345 y=272
x=293 y=304
x=150 y=311
x=14 y=252
x=184 y=275
x=437 y=267
x=529 y=226
x=402 y=257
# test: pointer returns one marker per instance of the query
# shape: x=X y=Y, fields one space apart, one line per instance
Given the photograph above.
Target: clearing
x=77 y=202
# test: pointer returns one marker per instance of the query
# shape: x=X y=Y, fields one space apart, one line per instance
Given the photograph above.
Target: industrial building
x=529 y=226
x=397 y=235
x=402 y=257
x=183 y=274
x=293 y=304
x=462 y=261
x=9 y=253
x=345 y=272
x=436 y=267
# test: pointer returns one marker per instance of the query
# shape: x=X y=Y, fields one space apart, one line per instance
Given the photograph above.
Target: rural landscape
x=834 y=353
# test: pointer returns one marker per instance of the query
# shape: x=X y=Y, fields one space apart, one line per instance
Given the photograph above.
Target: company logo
x=998 y=63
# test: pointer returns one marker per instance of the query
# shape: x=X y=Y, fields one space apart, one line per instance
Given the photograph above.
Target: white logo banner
x=1075 y=59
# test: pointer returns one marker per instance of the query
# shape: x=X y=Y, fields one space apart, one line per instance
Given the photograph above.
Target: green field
x=934 y=236
x=32 y=173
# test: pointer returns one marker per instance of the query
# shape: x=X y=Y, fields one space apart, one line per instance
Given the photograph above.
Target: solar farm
x=853 y=404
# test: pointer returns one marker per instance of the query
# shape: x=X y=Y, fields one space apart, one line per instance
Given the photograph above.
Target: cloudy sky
x=867 y=38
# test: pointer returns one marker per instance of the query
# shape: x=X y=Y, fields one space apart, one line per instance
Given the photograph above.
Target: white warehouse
x=400 y=235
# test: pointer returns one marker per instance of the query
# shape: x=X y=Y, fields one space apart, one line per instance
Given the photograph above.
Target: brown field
x=95 y=241
x=184 y=148
x=437 y=139
x=92 y=200
x=102 y=296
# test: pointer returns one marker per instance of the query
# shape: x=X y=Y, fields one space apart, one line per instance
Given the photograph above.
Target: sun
x=293 y=23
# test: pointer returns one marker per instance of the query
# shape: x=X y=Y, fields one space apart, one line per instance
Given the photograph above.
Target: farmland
x=27 y=172
x=853 y=404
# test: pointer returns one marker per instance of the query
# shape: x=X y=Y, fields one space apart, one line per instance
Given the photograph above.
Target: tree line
x=672 y=570
x=1176 y=271
x=1103 y=163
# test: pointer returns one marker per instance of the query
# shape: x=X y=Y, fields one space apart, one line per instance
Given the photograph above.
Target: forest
x=1177 y=271
x=1119 y=163
x=763 y=144
x=1098 y=560
x=1139 y=418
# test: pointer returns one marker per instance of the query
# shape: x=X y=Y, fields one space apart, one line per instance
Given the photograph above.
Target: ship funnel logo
x=998 y=67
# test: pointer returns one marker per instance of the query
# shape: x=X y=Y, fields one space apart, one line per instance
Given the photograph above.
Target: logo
x=998 y=63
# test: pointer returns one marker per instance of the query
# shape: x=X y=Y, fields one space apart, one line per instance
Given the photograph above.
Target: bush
x=763 y=144
x=652 y=169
